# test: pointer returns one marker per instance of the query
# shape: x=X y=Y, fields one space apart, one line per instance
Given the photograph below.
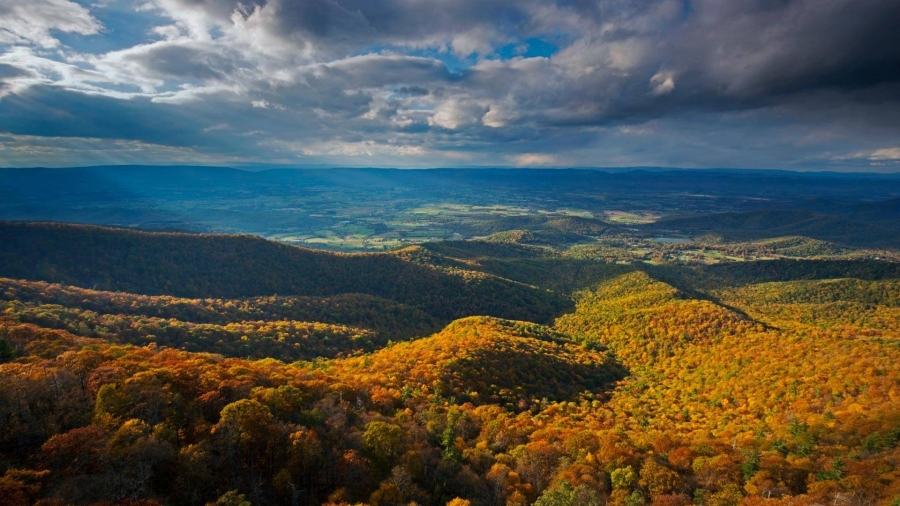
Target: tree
x=232 y=498
x=20 y=487
x=382 y=443
x=244 y=429
x=623 y=478
x=729 y=495
x=658 y=479
x=7 y=352
x=565 y=495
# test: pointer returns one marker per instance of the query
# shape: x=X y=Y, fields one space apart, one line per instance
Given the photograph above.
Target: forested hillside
x=776 y=223
x=87 y=312
x=767 y=383
x=481 y=360
x=566 y=272
x=223 y=266
x=546 y=231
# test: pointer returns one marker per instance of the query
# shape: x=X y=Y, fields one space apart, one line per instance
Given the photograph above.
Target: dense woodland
x=287 y=327
x=776 y=223
x=759 y=384
x=195 y=265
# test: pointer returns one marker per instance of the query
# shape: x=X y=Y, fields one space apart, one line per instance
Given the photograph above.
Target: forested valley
x=157 y=368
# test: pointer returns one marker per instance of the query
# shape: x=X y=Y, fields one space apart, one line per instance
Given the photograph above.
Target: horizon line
x=627 y=168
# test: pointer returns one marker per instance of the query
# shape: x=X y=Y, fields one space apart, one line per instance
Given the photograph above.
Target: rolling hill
x=700 y=366
x=773 y=223
x=487 y=360
x=546 y=230
x=388 y=319
x=228 y=266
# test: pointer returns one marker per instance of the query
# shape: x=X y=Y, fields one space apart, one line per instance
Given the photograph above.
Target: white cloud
x=478 y=40
x=662 y=83
x=30 y=21
x=537 y=160
x=33 y=69
x=348 y=150
x=636 y=130
x=885 y=154
x=499 y=115
x=265 y=104
x=628 y=55
x=453 y=114
x=876 y=157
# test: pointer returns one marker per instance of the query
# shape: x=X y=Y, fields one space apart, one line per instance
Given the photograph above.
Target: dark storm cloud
x=49 y=111
x=358 y=81
x=342 y=25
x=775 y=47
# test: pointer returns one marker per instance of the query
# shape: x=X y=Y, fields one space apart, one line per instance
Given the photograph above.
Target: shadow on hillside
x=522 y=381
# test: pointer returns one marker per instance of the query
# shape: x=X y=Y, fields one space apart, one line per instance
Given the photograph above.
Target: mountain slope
x=487 y=360
x=228 y=266
x=702 y=368
x=769 y=224
x=546 y=230
x=389 y=319
x=644 y=319
x=846 y=308
x=715 y=405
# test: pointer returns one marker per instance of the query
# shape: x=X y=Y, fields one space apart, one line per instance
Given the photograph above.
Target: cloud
x=875 y=157
x=536 y=160
x=416 y=91
x=892 y=154
x=662 y=83
x=31 y=21
x=265 y=104
x=366 y=149
x=296 y=80
x=453 y=114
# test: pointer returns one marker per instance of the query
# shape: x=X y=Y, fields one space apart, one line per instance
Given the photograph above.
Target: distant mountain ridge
x=780 y=223
x=376 y=209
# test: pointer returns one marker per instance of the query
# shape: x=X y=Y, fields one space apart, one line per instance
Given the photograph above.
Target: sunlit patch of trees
x=385 y=317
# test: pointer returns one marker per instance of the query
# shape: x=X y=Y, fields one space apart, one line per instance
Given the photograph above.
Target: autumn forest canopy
x=380 y=338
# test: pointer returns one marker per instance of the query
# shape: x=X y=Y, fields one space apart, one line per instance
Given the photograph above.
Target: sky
x=774 y=84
